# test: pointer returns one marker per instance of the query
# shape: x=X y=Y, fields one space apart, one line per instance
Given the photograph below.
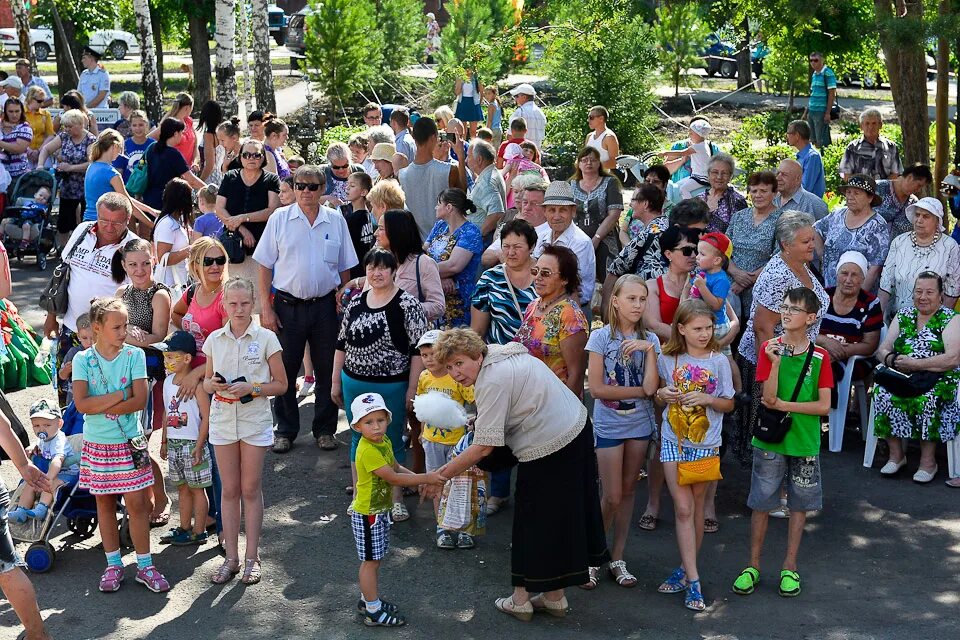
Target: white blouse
x=905 y=262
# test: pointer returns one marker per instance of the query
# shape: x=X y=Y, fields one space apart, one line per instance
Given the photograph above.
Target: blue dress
x=440 y=245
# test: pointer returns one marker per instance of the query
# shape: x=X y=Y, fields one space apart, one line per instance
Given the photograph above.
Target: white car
x=111 y=42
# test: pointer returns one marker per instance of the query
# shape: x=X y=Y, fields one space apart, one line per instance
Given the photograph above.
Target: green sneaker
x=789 y=583
x=747 y=581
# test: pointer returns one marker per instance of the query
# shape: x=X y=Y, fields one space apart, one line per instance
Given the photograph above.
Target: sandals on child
x=225 y=573
x=694 y=598
x=618 y=571
x=111 y=579
x=382 y=618
x=252 y=571
x=153 y=580
x=676 y=583
x=593 y=579
x=648 y=522
x=399 y=512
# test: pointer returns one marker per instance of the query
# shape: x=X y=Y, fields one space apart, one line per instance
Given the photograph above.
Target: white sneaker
x=780 y=512
x=892 y=467
x=924 y=477
x=306 y=388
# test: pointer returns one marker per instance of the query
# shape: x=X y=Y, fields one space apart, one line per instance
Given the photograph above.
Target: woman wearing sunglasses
x=336 y=171
x=679 y=248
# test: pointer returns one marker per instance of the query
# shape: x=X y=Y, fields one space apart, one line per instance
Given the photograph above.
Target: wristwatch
x=256 y=390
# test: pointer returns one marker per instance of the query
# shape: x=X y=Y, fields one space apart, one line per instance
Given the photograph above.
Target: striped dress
x=493 y=296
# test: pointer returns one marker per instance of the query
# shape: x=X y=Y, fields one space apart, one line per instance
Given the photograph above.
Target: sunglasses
x=339 y=167
x=248 y=155
x=537 y=271
x=219 y=260
x=687 y=251
x=306 y=186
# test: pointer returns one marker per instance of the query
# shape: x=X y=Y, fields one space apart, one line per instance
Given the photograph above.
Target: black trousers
x=307 y=324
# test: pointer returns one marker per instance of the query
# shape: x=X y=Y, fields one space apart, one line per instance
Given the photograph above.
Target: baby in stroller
x=31 y=213
x=53 y=455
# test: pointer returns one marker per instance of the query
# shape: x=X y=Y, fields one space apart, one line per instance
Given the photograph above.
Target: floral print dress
x=934 y=415
x=541 y=333
x=71 y=184
x=440 y=245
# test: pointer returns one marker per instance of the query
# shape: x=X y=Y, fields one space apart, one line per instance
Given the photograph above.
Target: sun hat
x=365 y=404
x=854 y=257
x=931 y=205
x=43 y=408
x=524 y=88
x=383 y=151
x=512 y=151
x=559 y=193
x=865 y=183
x=13 y=81
x=701 y=127
x=429 y=338
x=178 y=341
x=952 y=181
x=719 y=241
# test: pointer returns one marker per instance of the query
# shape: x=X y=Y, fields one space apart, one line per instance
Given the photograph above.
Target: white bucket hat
x=365 y=404
x=928 y=204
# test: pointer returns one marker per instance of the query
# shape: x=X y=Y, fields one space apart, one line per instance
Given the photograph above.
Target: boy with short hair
x=786 y=365
x=207 y=223
x=438 y=443
x=50 y=456
x=186 y=427
x=85 y=336
x=359 y=220
x=377 y=471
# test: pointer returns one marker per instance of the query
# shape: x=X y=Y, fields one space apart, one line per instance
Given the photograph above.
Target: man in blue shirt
x=94 y=83
x=823 y=93
x=798 y=136
x=30 y=80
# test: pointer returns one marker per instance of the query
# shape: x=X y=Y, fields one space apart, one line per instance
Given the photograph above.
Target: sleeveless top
x=597 y=143
x=283 y=169
x=140 y=308
x=668 y=304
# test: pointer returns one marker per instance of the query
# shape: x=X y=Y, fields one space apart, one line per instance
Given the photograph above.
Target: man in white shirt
x=792 y=195
x=560 y=207
x=306 y=253
x=527 y=109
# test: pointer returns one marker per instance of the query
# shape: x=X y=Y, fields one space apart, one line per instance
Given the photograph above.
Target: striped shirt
x=493 y=296
x=865 y=317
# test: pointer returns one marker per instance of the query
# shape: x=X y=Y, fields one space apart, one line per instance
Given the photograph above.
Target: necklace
x=546 y=305
x=922 y=252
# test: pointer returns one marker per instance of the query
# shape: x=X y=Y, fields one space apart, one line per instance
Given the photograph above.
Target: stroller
x=70 y=502
x=13 y=217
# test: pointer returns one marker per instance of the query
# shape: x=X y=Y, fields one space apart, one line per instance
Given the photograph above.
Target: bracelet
x=124 y=392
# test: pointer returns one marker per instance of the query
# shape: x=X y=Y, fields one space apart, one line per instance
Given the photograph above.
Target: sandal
x=623 y=577
x=495 y=504
x=225 y=573
x=747 y=581
x=648 y=522
x=557 y=608
x=111 y=579
x=953 y=483
x=389 y=607
x=675 y=583
x=710 y=525
x=399 y=512
x=160 y=520
x=153 y=579
x=789 y=583
x=251 y=571
x=172 y=535
x=382 y=618
x=694 y=598
x=593 y=579
x=522 y=612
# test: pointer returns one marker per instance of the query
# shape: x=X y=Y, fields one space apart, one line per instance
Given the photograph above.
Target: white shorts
x=222 y=437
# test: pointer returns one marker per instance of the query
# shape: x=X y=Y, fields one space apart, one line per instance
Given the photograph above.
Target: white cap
x=854 y=257
x=928 y=204
x=429 y=338
x=512 y=151
x=701 y=127
x=525 y=88
x=952 y=180
x=13 y=81
x=365 y=404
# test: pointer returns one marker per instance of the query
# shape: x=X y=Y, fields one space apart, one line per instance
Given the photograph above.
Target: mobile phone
x=450 y=137
x=247 y=398
x=786 y=349
x=219 y=378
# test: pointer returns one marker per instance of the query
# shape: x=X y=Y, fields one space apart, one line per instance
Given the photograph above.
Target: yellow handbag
x=696 y=471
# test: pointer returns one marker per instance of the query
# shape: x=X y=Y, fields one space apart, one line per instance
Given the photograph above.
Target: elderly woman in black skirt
x=524 y=410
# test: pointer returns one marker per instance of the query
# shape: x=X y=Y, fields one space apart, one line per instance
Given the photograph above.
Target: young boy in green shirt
x=795 y=460
x=377 y=470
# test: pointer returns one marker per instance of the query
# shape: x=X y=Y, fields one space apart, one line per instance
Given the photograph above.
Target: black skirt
x=557 y=523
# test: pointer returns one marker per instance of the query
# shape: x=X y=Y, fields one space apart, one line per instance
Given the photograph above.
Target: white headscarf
x=856 y=258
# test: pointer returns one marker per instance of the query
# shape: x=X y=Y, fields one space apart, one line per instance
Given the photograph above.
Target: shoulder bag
x=232 y=241
x=137 y=182
x=774 y=424
x=696 y=471
x=53 y=299
x=835 y=107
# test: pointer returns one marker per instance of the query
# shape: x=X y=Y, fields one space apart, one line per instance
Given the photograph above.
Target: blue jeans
x=819 y=130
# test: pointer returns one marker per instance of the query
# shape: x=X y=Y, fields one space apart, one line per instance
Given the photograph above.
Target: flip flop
x=710 y=525
x=160 y=520
x=789 y=583
x=953 y=483
x=648 y=522
x=746 y=582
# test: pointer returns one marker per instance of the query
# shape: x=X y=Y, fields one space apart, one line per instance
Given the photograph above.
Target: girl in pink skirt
x=110 y=389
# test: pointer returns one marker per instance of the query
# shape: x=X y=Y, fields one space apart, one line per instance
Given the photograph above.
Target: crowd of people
x=432 y=282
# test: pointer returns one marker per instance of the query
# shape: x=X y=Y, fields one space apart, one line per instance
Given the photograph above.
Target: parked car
x=277 y=23
x=110 y=42
x=720 y=56
x=875 y=79
x=296 y=42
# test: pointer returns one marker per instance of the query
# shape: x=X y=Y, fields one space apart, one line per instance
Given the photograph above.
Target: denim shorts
x=801 y=475
x=9 y=558
x=720 y=330
x=599 y=442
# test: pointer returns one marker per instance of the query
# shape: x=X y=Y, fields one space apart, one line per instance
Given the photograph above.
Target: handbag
x=232 y=241
x=500 y=459
x=774 y=424
x=697 y=471
x=53 y=299
x=905 y=385
x=835 y=107
x=137 y=182
x=171 y=277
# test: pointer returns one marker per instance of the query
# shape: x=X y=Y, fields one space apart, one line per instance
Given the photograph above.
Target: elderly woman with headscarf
x=926 y=248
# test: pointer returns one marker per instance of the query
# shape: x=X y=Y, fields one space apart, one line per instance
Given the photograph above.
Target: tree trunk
x=152 y=96
x=157 y=41
x=907 y=70
x=226 y=31
x=200 y=52
x=21 y=21
x=244 y=39
x=956 y=130
x=262 y=69
x=744 y=70
x=63 y=36
x=943 y=98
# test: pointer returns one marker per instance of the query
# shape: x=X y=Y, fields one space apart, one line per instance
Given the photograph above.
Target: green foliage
x=401 y=24
x=680 y=33
x=770 y=126
x=343 y=47
x=598 y=53
x=86 y=17
x=479 y=36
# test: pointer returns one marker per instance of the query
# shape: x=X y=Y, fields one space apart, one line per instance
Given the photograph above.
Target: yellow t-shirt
x=373 y=493
x=461 y=394
x=42 y=125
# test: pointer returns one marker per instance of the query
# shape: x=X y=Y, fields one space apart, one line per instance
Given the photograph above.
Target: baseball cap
x=181 y=341
x=365 y=404
x=719 y=241
x=701 y=127
x=12 y=81
x=525 y=88
x=429 y=338
x=43 y=408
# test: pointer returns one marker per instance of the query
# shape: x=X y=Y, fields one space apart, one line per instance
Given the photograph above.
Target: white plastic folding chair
x=837 y=418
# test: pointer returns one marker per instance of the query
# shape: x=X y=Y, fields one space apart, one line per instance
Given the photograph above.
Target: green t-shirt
x=373 y=492
x=803 y=438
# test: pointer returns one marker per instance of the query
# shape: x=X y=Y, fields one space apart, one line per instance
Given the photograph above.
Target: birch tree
x=21 y=20
x=262 y=70
x=152 y=96
x=226 y=74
